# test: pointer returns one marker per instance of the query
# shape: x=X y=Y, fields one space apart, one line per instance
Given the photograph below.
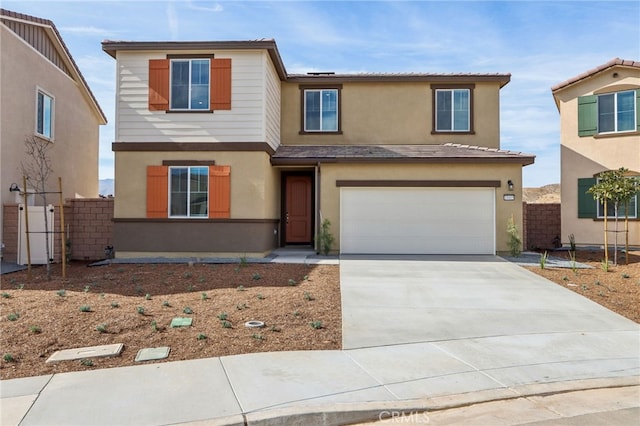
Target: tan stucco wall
x=392 y=113
x=330 y=193
x=583 y=157
x=255 y=185
x=74 y=153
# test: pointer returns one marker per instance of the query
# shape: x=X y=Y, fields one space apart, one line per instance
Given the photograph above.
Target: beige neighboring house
x=599 y=131
x=219 y=151
x=43 y=95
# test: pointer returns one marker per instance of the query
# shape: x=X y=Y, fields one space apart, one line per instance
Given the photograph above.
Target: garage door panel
x=418 y=220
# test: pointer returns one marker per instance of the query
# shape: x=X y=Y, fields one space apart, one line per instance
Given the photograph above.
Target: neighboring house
x=599 y=131
x=219 y=151
x=44 y=95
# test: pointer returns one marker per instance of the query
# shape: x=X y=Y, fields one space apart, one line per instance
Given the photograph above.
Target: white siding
x=272 y=104
x=245 y=122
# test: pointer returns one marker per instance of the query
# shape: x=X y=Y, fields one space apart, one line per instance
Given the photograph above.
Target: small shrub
x=87 y=288
x=101 y=295
x=256 y=276
x=166 y=304
x=257 y=336
x=8 y=358
x=85 y=308
x=325 y=237
x=147 y=296
x=275 y=329
x=187 y=275
x=296 y=314
x=243 y=261
x=115 y=305
x=241 y=306
x=292 y=282
x=309 y=297
x=543 y=260
x=572 y=244
x=190 y=288
x=154 y=326
x=13 y=316
x=565 y=278
x=597 y=282
x=584 y=287
x=241 y=288
x=201 y=336
x=61 y=292
x=204 y=296
x=187 y=310
x=35 y=329
x=226 y=324
x=574 y=266
x=102 y=328
x=201 y=279
x=259 y=296
x=20 y=286
x=625 y=276
x=140 y=310
x=515 y=243
x=6 y=295
x=604 y=265
x=306 y=278
x=316 y=325
x=222 y=316
x=86 y=362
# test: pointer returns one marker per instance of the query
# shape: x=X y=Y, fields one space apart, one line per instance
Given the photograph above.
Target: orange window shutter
x=219 y=191
x=158 y=84
x=157 y=191
x=220 y=87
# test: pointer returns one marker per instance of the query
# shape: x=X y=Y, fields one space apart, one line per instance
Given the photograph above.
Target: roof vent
x=321 y=73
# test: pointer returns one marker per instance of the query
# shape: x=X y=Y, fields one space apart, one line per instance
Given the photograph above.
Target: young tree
x=614 y=186
x=37 y=170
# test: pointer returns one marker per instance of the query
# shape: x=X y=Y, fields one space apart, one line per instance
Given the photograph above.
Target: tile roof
x=612 y=63
x=9 y=14
x=446 y=153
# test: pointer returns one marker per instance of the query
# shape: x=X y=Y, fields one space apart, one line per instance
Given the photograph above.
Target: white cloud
x=89 y=31
x=172 y=21
x=204 y=6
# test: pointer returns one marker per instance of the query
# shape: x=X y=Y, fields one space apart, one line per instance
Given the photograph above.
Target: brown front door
x=298 y=209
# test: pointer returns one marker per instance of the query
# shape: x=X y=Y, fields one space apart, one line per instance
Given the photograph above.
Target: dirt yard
x=134 y=305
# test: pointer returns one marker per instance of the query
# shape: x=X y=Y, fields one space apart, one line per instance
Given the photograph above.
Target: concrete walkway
x=419 y=333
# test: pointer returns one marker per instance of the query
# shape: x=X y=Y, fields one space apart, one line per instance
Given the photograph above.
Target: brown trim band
x=190 y=56
x=192 y=146
x=312 y=161
x=421 y=183
x=170 y=220
x=503 y=79
x=188 y=163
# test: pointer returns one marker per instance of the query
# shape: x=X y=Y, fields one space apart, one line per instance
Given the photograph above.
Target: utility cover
x=181 y=322
x=150 y=354
x=88 y=352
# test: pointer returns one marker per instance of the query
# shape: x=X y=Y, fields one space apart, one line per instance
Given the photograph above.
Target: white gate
x=37 y=238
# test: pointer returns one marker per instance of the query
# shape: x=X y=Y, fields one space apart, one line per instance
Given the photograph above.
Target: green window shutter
x=586 y=202
x=638 y=109
x=587 y=115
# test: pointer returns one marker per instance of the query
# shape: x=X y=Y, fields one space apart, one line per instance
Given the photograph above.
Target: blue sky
x=540 y=43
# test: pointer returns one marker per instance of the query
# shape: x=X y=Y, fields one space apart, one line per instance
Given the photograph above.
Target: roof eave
x=309 y=161
x=503 y=79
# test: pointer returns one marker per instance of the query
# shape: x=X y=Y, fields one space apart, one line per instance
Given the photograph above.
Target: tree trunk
x=606 y=238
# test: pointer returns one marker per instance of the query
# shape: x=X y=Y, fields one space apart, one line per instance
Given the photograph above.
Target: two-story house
x=599 y=131
x=219 y=151
x=44 y=96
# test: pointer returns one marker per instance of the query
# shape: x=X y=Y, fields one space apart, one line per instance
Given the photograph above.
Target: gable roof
x=445 y=153
x=68 y=64
x=612 y=63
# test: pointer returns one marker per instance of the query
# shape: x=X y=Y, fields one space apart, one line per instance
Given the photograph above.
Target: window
x=190 y=84
x=589 y=207
x=191 y=190
x=321 y=110
x=609 y=113
x=44 y=115
x=188 y=191
x=452 y=110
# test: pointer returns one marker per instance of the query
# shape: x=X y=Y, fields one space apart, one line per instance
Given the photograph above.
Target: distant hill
x=105 y=187
x=543 y=195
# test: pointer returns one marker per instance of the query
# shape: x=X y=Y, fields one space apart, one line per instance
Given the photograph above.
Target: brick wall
x=541 y=225
x=88 y=227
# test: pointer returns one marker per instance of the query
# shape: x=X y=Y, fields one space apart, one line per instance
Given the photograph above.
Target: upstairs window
x=609 y=113
x=321 y=110
x=189 y=84
x=589 y=207
x=452 y=110
x=44 y=115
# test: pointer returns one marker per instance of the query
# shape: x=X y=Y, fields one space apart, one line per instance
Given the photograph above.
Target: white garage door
x=417 y=220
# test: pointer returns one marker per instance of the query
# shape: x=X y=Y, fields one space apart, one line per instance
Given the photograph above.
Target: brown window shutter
x=158 y=85
x=219 y=191
x=220 y=84
x=157 y=191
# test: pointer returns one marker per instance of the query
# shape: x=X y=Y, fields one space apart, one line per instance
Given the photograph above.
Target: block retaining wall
x=541 y=225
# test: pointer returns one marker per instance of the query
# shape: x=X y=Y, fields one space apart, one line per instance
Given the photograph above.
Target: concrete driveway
x=447 y=324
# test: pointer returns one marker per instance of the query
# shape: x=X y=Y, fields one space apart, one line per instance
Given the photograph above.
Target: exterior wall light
x=14 y=188
x=510 y=185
